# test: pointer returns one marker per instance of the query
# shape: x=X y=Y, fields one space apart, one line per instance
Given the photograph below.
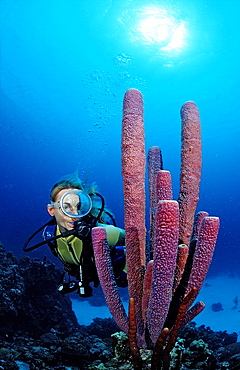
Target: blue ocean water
x=65 y=66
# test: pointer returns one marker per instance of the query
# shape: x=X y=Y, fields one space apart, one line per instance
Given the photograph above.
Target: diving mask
x=74 y=203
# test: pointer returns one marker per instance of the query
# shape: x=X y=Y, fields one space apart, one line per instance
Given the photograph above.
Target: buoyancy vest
x=75 y=252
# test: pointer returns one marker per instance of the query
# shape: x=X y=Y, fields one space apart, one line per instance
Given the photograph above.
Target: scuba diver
x=75 y=211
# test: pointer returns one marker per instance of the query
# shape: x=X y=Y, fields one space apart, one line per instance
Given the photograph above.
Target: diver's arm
x=115 y=235
x=121 y=238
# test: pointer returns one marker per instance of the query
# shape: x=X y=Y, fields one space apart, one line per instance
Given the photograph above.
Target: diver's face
x=64 y=222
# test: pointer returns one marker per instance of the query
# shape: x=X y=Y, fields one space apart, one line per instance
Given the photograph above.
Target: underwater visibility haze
x=65 y=66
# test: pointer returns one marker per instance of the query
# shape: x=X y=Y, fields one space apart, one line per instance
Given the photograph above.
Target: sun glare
x=157 y=27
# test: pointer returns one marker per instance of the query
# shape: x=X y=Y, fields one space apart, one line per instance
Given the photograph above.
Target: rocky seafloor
x=39 y=330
